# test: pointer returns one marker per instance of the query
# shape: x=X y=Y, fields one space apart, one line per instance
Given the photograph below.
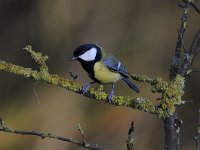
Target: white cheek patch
x=89 y=55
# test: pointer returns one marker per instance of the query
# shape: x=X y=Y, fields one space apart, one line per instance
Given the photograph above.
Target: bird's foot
x=85 y=88
x=110 y=96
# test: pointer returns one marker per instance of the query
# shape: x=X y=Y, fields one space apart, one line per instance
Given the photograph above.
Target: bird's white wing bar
x=118 y=66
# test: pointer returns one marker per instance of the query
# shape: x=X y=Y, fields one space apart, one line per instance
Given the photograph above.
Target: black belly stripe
x=89 y=68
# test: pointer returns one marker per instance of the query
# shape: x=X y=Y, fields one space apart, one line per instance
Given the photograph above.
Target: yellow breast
x=104 y=75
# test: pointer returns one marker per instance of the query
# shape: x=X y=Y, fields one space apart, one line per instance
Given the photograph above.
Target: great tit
x=102 y=67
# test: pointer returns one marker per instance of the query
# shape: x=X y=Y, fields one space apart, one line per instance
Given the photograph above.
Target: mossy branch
x=171 y=92
x=39 y=58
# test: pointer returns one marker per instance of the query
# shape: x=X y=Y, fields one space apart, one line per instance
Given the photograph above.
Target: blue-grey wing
x=112 y=63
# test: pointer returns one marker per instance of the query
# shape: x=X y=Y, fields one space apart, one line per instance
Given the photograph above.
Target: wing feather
x=114 y=64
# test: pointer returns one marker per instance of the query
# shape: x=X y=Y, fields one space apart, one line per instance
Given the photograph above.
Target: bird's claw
x=85 y=88
x=110 y=96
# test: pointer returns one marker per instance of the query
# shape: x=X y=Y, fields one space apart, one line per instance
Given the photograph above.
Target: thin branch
x=74 y=76
x=143 y=78
x=35 y=92
x=39 y=58
x=197 y=137
x=192 y=53
x=4 y=128
x=175 y=65
x=130 y=140
x=193 y=5
x=84 y=141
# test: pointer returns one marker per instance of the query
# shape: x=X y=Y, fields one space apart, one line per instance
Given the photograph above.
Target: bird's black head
x=87 y=53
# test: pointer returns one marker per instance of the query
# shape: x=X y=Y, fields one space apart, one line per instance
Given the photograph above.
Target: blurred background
x=141 y=33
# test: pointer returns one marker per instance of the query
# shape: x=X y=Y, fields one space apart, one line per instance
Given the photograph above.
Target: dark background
x=141 y=33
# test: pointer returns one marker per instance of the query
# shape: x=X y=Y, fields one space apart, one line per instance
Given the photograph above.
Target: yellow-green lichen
x=160 y=85
x=144 y=104
x=120 y=101
x=50 y=135
x=100 y=88
x=36 y=75
x=171 y=96
x=8 y=67
x=73 y=86
x=53 y=79
x=38 y=57
x=143 y=78
x=99 y=95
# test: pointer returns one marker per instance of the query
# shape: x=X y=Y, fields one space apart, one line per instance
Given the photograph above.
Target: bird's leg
x=85 y=87
x=111 y=94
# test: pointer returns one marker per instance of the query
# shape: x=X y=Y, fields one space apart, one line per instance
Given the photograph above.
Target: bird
x=102 y=67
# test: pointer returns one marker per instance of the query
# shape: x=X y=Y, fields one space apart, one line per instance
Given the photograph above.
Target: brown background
x=141 y=33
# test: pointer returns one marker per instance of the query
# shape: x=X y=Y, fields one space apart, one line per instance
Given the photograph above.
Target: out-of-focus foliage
x=142 y=34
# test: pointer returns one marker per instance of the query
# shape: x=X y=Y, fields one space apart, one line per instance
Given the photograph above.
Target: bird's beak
x=73 y=58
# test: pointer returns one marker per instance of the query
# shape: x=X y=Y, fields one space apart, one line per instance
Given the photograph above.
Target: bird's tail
x=130 y=84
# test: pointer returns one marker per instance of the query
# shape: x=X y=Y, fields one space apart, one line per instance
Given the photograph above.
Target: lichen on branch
x=171 y=92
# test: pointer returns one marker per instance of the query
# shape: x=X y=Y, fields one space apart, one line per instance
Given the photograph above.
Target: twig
x=74 y=77
x=175 y=65
x=35 y=92
x=193 y=5
x=192 y=53
x=82 y=134
x=4 y=128
x=130 y=140
x=143 y=78
x=197 y=137
x=39 y=58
